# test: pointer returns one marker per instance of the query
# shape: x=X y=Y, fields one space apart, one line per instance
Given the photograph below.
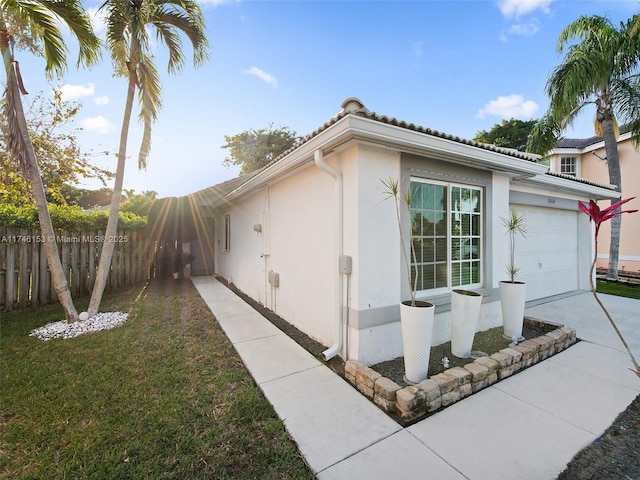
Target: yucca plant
x=514 y=225
x=392 y=190
x=599 y=217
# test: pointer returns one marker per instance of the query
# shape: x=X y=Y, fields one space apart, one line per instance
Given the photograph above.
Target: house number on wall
x=551 y=200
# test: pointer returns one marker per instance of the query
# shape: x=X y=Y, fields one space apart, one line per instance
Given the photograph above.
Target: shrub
x=67 y=218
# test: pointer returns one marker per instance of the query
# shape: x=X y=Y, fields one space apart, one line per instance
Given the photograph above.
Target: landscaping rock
x=62 y=329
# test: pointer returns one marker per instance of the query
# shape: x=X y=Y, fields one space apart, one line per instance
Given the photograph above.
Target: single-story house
x=313 y=237
x=586 y=158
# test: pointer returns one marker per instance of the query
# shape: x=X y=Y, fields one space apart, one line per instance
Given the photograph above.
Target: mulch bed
x=488 y=342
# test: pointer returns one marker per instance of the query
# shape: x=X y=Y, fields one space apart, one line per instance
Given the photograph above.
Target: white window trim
x=576 y=165
x=449 y=287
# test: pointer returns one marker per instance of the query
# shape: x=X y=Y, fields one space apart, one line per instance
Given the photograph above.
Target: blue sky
x=454 y=66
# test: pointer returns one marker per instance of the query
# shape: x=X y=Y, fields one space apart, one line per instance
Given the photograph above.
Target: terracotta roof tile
x=581 y=180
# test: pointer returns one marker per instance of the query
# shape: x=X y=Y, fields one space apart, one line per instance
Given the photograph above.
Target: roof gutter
x=339 y=247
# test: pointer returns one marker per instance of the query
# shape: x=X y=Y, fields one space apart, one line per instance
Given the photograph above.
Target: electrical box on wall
x=274 y=278
x=345 y=264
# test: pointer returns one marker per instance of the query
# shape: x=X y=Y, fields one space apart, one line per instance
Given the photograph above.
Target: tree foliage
x=86 y=198
x=138 y=203
x=253 y=149
x=60 y=160
x=66 y=217
x=601 y=69
x=511 y=133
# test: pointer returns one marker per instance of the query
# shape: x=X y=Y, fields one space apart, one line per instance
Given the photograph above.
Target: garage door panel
x=548 y=256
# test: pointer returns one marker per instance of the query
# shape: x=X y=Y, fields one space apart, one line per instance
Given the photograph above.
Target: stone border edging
x=414 y=402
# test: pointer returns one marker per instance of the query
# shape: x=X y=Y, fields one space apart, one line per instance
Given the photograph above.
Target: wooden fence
x=25 y=279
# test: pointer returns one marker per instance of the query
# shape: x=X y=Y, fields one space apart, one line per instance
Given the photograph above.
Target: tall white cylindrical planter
x=417 y=330
x=512 y=300
x=465 y=310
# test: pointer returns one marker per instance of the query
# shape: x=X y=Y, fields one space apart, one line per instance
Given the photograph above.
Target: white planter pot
x=417 y=329
x=465 y=310
x=512 y=299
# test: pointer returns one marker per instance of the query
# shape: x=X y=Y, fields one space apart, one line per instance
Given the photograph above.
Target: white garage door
x=548 y=256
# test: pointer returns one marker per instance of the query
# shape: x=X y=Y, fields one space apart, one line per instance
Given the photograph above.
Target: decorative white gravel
x=62 y=329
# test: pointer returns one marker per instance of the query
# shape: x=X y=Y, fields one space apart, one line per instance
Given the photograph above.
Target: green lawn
x=163 y=396
x=631 y=291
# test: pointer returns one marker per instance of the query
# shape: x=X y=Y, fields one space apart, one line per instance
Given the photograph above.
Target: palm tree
x=38 y=22
x=601 y=69
x=129 y=43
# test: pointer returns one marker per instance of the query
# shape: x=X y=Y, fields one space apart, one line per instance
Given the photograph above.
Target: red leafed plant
x=599 y=216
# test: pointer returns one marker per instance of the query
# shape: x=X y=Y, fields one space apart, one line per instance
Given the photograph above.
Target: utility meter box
x=274 y=278
x=345 y=264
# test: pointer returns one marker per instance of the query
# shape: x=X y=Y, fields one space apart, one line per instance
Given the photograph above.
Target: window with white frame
x=446 y=223
x=227 y=232
x=569 y=166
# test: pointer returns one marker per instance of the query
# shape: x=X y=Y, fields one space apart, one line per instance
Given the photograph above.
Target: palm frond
x=590 y=29
x=167 y=34
x=13 y=134
x=45 y=18
x=544 y=135
x=149 y=97
x=72 y=13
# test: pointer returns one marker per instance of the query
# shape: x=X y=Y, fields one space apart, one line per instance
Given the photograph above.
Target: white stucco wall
x=297 y=215
x=376 y=279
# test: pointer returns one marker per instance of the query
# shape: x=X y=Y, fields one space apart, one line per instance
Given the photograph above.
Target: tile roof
x=578 y=142
x=219 y=191
x=580 y=180
x=353 y=106
x=585 y=142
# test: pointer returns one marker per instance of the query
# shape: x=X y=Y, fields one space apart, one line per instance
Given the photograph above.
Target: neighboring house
x=585 y=158
x=312 y=237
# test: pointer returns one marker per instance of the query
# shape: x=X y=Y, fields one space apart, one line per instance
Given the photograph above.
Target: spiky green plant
x=403 y=198
x=514 y=225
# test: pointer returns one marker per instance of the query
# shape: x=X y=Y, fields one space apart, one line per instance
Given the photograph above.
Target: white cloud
x=264 y=76
x=518 y=8
x=98 y=19
x=512 y=106
x=73 y=92
x=97 y=124
x=527 y=29
x=103 y=100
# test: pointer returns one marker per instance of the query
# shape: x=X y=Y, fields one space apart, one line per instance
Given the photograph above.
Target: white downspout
x=337 y=176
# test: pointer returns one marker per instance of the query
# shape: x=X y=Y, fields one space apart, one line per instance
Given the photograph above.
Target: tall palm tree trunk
x=615 y=178
x=14 y=102
x=112 y=224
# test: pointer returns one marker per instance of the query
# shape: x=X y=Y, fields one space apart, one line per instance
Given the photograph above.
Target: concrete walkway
x=528 y=426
